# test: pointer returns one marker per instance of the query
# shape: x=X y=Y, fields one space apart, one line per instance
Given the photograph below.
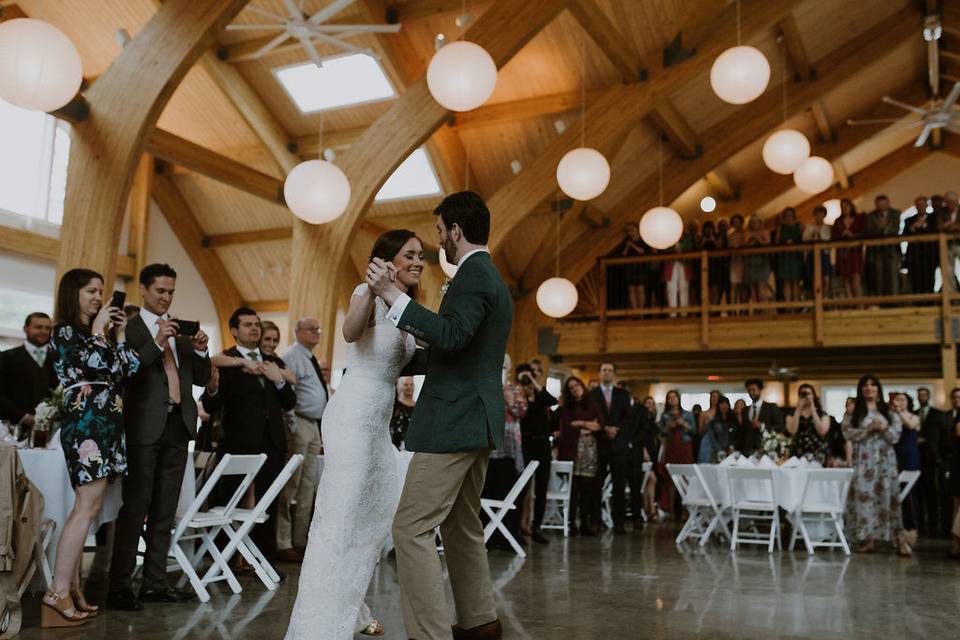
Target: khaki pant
x=443 y=489
x=301 y=487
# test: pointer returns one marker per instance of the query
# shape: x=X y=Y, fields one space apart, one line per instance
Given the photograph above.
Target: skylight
x=415 y=177
x=351 y=79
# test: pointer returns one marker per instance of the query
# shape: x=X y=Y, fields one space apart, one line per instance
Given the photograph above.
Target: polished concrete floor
x=631 y=586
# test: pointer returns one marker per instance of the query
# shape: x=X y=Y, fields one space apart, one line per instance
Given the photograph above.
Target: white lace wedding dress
x=359 y=487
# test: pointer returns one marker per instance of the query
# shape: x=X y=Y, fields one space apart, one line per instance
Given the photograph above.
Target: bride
x=360 y=485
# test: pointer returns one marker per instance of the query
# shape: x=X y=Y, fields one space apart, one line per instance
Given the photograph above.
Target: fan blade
x=951 y=97
x=330 y=10
x=312 y=51
x=357 y=28
x=922 y=138
x=873 y=121
x=256 y=27
x=903 y=105
x=340 y=44
x=266 y=14
x=270 y=46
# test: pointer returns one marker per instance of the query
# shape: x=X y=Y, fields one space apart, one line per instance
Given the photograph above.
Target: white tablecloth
x=788 y=484
x=47 y=469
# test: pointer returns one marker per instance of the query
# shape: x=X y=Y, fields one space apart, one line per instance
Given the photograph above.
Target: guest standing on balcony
x=789 y=263
x=873 y=509
x=629 y=281
x=819 y=231
x=850 y=226
x=718 y=269
x=923 y=258
x=756 y=267
x=677 y=275
x=908 y=459
x=737 y=238
x=677 y=428
x=884 y=262
x=949 y=222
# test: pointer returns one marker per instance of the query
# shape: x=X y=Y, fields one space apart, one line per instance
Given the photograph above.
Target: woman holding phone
x=91 y=360
x=873 y=509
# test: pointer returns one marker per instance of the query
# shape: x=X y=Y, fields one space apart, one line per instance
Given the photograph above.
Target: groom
x=457 y=421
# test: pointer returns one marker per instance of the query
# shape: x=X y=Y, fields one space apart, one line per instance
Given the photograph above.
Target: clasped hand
x=381 y=277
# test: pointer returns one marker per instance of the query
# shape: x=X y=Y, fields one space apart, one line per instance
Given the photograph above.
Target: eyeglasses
x=312 y=329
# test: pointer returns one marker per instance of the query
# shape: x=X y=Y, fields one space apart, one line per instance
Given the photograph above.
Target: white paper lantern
x=41 y=68
x=814 y=175
x=661 y=227
x=461 y=76
x=740 y=74
x=557 y=297
x=708 y=204
x=449 y=269
x=785 y=150
x=317 y=191
x=833 y=210
x=583 y=174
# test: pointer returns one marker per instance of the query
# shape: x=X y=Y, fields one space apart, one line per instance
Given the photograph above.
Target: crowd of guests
x=604 y=431
x=788 y=276
x=127 y=377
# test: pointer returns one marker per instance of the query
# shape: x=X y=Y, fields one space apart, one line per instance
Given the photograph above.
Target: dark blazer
x=145 y=395
x=618 y=415
x=642 y=431
x=252 y=413
x=570 y=435
x=770 y=415
x=461 y=404
x=931 y=428
x=23 y=384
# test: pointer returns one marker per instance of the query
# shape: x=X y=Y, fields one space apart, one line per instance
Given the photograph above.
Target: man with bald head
x=950 y=223
x=304 y=438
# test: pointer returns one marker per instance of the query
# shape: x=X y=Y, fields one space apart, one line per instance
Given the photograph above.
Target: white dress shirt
x=39 y=354
x=152 y=321
x=400 y=304
x=246 y=354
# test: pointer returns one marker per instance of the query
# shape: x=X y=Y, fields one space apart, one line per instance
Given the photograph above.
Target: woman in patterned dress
x=809 y=426
x=873 y=508
x=91 y=360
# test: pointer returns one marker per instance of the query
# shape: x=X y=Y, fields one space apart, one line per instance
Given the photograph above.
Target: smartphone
x=119 y=297
x=188 y=328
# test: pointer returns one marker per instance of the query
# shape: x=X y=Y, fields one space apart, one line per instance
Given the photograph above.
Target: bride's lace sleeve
x=361 y=289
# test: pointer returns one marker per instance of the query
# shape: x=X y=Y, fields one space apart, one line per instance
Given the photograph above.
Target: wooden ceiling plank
x=524 y=109
x=796 y=52
x=176 y=210
x=819 y=114
x=426 y=9
x=138 y=222
x=183 y=153
x=247 y=237
x=677 y=130
x=309 y=146
x=47 y=249
x=721 y=186
x=607 y=36
x=698 y=23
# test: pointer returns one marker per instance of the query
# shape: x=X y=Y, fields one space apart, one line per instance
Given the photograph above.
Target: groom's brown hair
x=468 y=210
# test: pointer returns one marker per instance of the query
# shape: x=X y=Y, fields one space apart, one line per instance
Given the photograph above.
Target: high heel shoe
x=903 y=547
x=373 y=629
x=81 y=604
x=53 y=614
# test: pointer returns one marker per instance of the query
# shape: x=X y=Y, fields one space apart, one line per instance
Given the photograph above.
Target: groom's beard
x=450 y=248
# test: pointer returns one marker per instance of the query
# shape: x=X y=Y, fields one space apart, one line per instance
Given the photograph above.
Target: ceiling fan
x=782 y=373
x=937 y=113
x=310 y=29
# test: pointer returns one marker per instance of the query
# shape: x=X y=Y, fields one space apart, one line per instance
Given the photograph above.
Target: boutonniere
x=444 y=287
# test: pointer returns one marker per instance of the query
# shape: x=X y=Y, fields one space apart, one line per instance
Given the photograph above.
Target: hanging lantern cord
x=660 y=169
x=583 y=89
x=785 y=76
x=738 y=23
x=320 y=137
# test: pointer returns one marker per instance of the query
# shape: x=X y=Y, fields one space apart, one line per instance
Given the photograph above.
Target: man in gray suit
x=457 y=421
x=160 y=419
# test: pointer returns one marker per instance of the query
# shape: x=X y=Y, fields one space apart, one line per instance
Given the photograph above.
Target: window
x=15 y=305
x=351 y=79
x=33 y=163
x=415 y=177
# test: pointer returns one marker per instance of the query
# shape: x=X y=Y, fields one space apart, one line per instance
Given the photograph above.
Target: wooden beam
x=211 y=164
x=139 y=222
x=819 y=115
x=318 y=251
x=309 y=146
x=175 y=208
x=269 y=306
x=676 y=128
x=796 y=52
x=605 y=34
x=840 y=173
x=721 y=186
x=426 y=9
x=700 y=20
x=125 y=104
x=525 y=109
x=246 y=237
x=47 y=249
x=751 y=122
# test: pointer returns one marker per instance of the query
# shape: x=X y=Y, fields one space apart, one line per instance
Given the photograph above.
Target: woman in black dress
x=809 y=427
x=402 y=411
x=91 y=361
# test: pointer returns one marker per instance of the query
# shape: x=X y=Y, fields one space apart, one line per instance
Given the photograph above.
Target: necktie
x=316 y=367
x=756 y=410
x=39 y=356
x=607 y=392
x=170 y=368
x=253 y=356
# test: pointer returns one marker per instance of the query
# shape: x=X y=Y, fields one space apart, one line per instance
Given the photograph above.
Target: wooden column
x=948 y=347
x=139 y=211
x=125 y=103
x=817 y=294
x=318 y=250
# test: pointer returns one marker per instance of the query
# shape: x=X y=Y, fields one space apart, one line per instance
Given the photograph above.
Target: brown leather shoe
x=288 y=555
x=489 y=631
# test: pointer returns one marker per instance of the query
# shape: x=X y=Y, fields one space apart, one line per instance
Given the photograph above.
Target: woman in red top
x=580 y=422
x=849 y=226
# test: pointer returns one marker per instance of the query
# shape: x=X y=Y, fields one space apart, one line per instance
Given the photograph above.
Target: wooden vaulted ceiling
x=836 y=59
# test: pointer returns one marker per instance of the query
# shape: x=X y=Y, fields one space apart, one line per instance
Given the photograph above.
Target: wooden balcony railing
x=921 y=255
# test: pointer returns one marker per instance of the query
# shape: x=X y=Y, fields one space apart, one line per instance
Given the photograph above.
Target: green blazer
x=461 y=404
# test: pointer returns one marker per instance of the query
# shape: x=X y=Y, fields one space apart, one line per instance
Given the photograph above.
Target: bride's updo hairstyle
x=388 y=245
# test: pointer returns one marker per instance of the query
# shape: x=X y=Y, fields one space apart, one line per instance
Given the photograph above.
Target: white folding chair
x=240 y=539
x=824 y=496
x=557 y=512
x=756 y=502
x=907 y=479
x=706 y=515
x=606 y=497
x=204 y=526
x=497 y=509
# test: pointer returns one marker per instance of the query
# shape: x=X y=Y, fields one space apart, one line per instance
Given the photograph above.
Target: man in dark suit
x=26 y=372
x=922 y=258
x=615 y=448
x=160 y=419
x=252 y=408
x=760 y=415
x=931 y=422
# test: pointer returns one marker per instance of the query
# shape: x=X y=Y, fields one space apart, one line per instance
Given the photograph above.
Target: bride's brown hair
x=388 y=245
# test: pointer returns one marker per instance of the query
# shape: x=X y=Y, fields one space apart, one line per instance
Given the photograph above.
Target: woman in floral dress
x=873 y=508
x=91 y=360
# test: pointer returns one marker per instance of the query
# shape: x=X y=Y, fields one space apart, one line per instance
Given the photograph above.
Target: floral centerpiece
x=48 y=412
x=774 y=445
